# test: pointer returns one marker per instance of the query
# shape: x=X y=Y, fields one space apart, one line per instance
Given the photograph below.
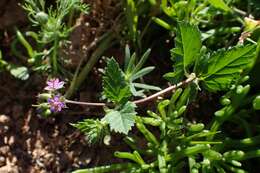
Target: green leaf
x=115 y=88
x=256 y=103
x=142 y=61
x=95 y=130
x=123 y=119
x=146 y=87
x=186 y=51
x=225 y=66
x=191 y=43
x=220 y=4
x=127 y=56
x=20 y=72
x=141 y=73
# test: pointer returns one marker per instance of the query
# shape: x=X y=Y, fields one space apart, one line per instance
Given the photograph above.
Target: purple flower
x=54 y=84
x=56 y=103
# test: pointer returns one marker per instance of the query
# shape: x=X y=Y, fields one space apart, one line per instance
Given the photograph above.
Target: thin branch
x=165 y=91
x=241 y=12
x=85 y=103
x=140 y=101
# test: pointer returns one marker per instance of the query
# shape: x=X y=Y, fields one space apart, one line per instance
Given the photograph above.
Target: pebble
x=4 y=150
x=4 y=119
x=2 y=161
x=11 y=140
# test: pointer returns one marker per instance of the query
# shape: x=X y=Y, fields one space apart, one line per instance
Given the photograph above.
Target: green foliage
x=225 y=66
x=134 y=72
x=53 y=30
x=3 y=63
x=118 y=86
x=121 y=119
x=132 y=19
x=175 y=147
x=179 y=142
x=235 y=97
x=173 y=136
x=103 y=169
x=218 y=70
x=19 y=72
x=220 y=4
x=186 y=51
x=95 y=130
x=115 y=88
x=256 y=103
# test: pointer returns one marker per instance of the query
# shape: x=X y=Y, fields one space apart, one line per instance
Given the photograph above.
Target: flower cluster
x=52 y=100
x=56 y=103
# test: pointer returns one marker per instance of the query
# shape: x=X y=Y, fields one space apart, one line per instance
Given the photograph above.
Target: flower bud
x=46 y=112
x=44 y=96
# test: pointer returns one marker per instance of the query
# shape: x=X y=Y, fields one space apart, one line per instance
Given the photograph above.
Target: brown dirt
x=29 y=143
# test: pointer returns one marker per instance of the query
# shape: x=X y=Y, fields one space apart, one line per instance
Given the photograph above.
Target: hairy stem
x=141 y=101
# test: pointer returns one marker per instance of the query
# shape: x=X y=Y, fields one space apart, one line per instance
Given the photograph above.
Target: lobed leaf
x=187 y=48
x=115 y=88
x=225 y=66
x=20 y=72
x=121 y=120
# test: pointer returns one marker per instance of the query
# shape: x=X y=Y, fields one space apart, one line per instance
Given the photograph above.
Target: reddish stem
x=144 y=100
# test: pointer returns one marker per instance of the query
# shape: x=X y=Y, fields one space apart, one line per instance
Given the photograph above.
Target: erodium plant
x=181 y=144
x=53 y=32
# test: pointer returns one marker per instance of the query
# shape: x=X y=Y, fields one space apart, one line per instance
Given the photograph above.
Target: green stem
x=104 y=45
x=205 y=142
x=250 y=155
x=243 y=143
x=71 y=18
x=108 y=168
x=25 y=43
x=54 y=56
x=74 y=79
x=218 y=121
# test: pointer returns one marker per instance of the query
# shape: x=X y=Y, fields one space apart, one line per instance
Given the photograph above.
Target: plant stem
x=250 y=155
x=166 y=90
x=141 y=101
x=54 y=56
x=243 y=143
x=78 y=80
x=74 y=79
x=85 y=103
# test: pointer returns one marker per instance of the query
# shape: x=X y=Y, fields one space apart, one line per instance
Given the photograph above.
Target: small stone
x=3 y=129
x=4 y=150
x=11 y=140
x=4 y=119
x=2 y=161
